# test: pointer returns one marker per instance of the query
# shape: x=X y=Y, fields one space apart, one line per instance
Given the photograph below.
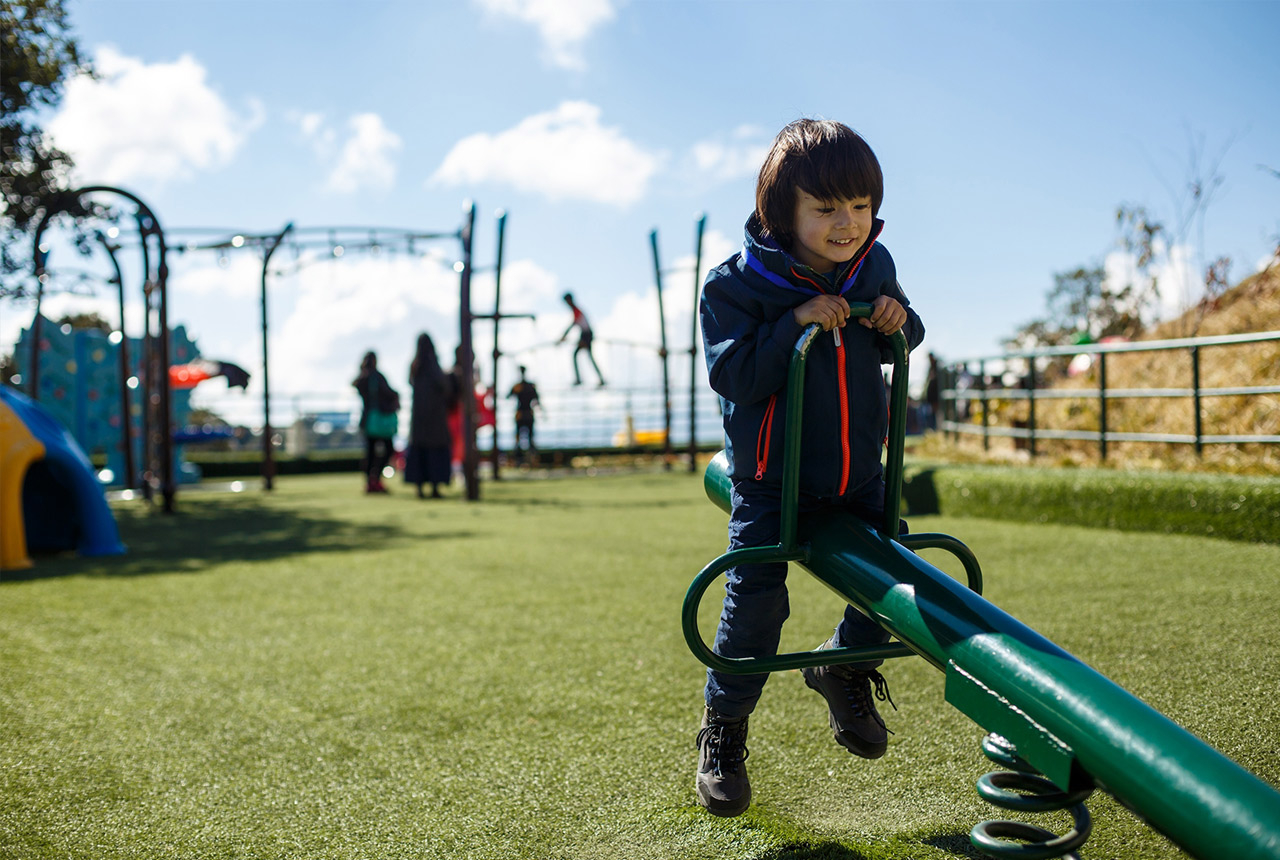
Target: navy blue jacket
x=749 y=335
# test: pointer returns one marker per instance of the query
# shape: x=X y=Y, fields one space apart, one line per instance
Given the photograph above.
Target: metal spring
x=1022 y=789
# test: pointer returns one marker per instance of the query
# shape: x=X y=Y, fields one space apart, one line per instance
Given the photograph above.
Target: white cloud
x=240 y=277
x=315 y=131
x=563 y=25
x=309 y=123
x=565 y=153
x=345 y=307
x=367 y=159
x=1174 y=271
x=739 y=156
x=364 y=161
x=141 y=122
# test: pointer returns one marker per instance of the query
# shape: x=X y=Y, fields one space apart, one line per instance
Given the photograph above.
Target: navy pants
x=755 y=601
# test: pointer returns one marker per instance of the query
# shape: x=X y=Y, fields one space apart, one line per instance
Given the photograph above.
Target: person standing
x=526 y=395
x=380 y=404
x=932 y=394
x=430 y=442
x=584 y=340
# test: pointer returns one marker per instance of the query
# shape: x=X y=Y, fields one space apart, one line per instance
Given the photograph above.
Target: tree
x=1083 y=307
x=1275 y=255
x=1084 y=304
x=37 y=55
x=91 y=319
x=1156 y=247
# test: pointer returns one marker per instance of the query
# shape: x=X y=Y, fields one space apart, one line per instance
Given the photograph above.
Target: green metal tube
x=1065 y=718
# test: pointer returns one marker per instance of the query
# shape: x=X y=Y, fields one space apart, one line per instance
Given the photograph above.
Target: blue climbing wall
x=80 y=386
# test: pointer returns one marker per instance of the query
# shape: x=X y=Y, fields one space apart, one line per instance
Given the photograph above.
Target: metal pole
x=982 y=386
x=1031 y=406
x=953 y=382
x=662 y=353
x=946 y=405
x=467 y=392
x=146 y=372
x=1195 y=396
x=693 y=348
x=497 y=322
x=32 y=373
x=1102 y=405
x=268 y=451
x=168 y=486
x=126 y=423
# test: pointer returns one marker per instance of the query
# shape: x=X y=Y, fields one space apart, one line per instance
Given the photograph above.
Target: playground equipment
x=49 y=496
x=1061 y=727
x=80 y=385
x=157 y=414
x=658 y=272
x=339 y=242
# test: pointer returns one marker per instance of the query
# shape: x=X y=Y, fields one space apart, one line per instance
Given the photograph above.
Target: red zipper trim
x=853 y=271
x=765 y=435
x=816 y=285
x=843 y=383
x=844 y=418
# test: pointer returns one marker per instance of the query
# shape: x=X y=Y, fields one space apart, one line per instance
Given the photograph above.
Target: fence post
x=1031 y=405
x=947 y=405
x=1195 y=397
x=1102 y=404
x=953 y=383
x=982 y=386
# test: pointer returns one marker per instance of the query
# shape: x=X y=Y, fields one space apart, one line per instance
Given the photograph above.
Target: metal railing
x=961 y=390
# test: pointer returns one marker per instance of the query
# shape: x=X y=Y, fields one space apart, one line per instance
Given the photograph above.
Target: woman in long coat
x=375 y=395
x=427 y=460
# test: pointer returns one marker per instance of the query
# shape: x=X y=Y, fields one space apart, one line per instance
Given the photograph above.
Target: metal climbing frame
x=1061 y=727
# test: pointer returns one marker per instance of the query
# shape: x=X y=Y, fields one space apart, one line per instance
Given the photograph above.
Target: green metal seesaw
x=1060 y=726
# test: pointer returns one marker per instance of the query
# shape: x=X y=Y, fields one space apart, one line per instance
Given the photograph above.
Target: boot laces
x=862 y=688
x=726 y=745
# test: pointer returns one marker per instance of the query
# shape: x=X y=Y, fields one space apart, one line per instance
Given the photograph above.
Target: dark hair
x=820 y=157
x=426 y=353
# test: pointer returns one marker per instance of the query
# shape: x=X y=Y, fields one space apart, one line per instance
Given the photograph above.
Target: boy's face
x=829 y=232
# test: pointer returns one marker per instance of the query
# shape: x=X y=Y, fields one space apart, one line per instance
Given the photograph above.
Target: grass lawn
x=313 y=673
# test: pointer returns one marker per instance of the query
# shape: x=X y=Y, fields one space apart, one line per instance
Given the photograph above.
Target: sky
x=1008 y=133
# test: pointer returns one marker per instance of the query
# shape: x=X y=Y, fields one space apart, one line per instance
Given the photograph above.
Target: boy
x=584 y=340
x=526 y=395
x=810 y=249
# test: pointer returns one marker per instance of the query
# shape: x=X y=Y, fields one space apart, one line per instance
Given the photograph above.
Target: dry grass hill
x=1253 y=305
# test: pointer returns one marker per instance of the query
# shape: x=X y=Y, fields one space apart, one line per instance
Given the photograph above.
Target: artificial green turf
x=314 y=673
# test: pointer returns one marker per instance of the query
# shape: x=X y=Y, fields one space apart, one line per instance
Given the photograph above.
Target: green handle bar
x=789 y=548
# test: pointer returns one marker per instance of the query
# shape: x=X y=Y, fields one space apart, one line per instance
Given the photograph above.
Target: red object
x=485 y=412
x=486 y=416
x=183 y=376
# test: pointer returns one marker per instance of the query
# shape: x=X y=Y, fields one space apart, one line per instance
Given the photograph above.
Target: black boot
x=855 y=722
x=723 y=787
